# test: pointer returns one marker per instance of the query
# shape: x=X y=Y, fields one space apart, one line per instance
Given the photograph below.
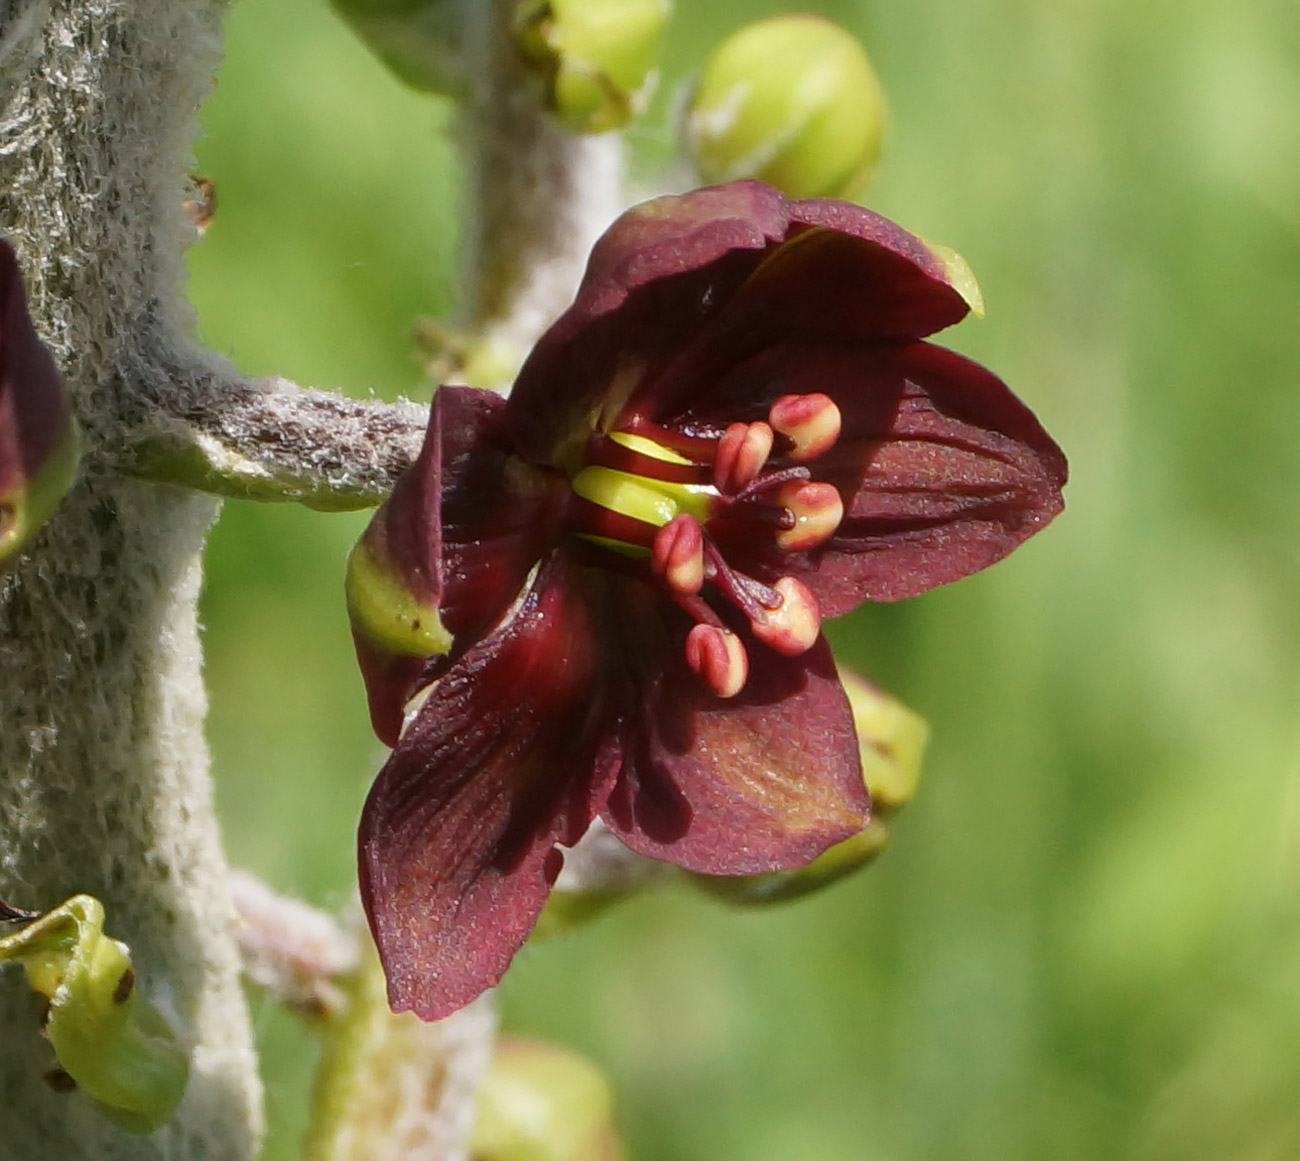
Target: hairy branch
x=270 y=439
x=104 y=784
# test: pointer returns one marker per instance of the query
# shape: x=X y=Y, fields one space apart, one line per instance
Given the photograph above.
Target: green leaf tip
x=110 y=1041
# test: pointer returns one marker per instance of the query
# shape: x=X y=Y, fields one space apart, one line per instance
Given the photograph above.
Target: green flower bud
x=110 y=1041
x=540 y=1102
x=891 y=741
x=793 y=101
x=422 y=41
x=891 y=744
x=596 y=57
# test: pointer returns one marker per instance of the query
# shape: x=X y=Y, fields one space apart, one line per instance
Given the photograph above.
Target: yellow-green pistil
x=652 y=501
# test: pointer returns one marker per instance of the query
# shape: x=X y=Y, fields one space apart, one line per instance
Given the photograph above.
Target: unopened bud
x=793 y=101
x=891 y=741
x=38 y=438
x=541 y=1102
x=597 y=58
x=422 y=41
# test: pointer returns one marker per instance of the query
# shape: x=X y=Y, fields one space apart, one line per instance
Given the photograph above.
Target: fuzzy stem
x=537 y=198
x=272 y=440
x=104 y=784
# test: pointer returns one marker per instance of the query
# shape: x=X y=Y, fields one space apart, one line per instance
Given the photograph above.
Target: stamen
x=752 y=598
x=741 y=453
x=677 y=554
x=770 y=481
x=718 y=658
x=793 y=626
x=817 y=510
x=811 y=422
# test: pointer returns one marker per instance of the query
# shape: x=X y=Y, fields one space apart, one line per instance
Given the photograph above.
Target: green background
x=1084 y=941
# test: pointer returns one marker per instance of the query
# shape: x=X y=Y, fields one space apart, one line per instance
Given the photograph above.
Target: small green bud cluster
x=595 y=59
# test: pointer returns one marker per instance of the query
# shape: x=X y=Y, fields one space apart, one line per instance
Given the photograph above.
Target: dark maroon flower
x=602 y=597
x=38 y=441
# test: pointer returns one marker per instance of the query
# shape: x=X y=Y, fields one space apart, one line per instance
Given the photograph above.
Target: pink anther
x=795 y=624
x=817 y=510
x=677 y=554
x=718 y=658
x=811 y=422
x=740 y=455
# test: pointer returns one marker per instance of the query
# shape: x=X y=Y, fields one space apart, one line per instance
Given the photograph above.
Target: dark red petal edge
x=763 y=781
x=682 y=286
x=457 y=840
x=820 y=286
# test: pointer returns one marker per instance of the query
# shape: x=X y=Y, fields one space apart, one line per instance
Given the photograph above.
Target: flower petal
x=763 y=781
x=460 y=533
x=653 y=280
x=680 y=288
x=457 y=841
x=943 y=471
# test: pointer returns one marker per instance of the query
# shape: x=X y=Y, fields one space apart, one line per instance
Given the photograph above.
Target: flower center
x=664 y=503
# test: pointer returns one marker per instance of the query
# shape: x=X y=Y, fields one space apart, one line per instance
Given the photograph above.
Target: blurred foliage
x=1084 y=941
